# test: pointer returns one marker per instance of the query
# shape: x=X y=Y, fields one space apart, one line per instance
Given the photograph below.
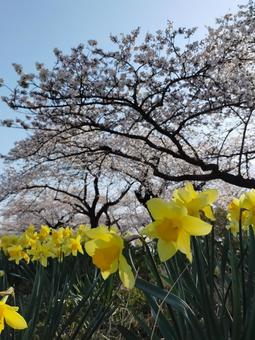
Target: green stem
x=242 y=264
x=160 y=283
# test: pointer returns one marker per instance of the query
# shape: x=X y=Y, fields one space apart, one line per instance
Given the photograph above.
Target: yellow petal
x=209 y=212
x=92 y=245
x=195 y=206
x=1 y=323
x=113 y=268
x=187 y=193
x=125 y=273
x=150 y=230
x=158 y=208
x=212 y=195
x=165 y=250
x=14 y=319
x=195 y=226
x=105 y=274
x=183 y=244
x=101 y=233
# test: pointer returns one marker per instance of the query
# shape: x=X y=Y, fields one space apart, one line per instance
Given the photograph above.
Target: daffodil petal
x=198 y=203
x=165 y=250
x=212 y=195
x=14 y=319
x=125 y=273
x=92 y=245
x=105 y=274
x=184 y=194
x=161 y=209
x=113 y=268
x=158 y=208
x=101 y=233
x=1 y=324
x=195 y=226
x=150 y=230
x=208 y=212
x=183 y=244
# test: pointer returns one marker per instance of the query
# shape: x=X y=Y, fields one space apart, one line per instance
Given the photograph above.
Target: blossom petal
x=183 y=244
x=14 y=319
x=125 y=273
x=165 y=250
x=195 y=226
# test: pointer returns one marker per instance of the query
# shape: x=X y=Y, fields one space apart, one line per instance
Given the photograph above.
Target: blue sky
x=31 y=29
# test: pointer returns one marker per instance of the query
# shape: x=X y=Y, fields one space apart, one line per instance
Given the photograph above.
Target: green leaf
x=236 y=295
x=175 y=302
x=165 y=327
x=127 y=333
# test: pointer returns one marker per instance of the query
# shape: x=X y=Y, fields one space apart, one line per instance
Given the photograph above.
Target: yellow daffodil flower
x=56 y=251
x=73 y=245
x=31 y=233
x=67 y=232
x=15 y=253
x=173 y=227
x=105 y=247
x=44 y=232
x=247 y=203
x=196 y=201
x=235 y=207
x=82 y=231
x=58 y=236
x=40 y=252
x=9 y=315
x=8 y=241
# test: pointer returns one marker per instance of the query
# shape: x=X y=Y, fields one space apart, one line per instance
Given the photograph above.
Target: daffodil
x=105 y=247
x=67 y=232
x=247 y=203
x=73 y=245
x=15 y=253
x=55 y=251
x=82 y=231
x=173 y=227
x=195 y=201
x=40 y=252
x=9 y=315
x=7 y=241
x=58 y=236
x=44 y=232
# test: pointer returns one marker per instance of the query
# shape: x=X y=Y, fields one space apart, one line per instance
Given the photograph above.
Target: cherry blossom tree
x=163 y=108
x=60 y=193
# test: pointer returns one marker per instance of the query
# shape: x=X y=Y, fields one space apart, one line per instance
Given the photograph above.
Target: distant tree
x=36 y=209
x=64 y=192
